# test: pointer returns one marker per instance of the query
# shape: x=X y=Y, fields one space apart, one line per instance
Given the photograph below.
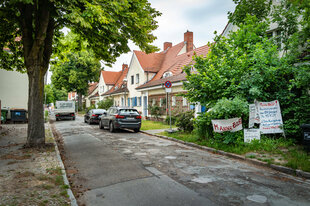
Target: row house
x=119 y=92
x=93 y=95
x=148 y=73
x=142 y=83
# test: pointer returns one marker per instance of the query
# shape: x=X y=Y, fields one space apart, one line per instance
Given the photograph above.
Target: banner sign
x=225 y=125
x=270 y=117
x=250 y=134
x=253 y=116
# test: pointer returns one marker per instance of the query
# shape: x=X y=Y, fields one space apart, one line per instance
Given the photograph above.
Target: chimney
x=188 y=38
x=124 y=66
x=167 y=45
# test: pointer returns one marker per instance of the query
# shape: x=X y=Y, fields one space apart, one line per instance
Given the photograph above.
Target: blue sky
x=202 y=17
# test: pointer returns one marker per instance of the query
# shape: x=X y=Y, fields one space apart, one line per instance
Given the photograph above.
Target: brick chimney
x=188 y=38
x=124 y=66
x=167 y=45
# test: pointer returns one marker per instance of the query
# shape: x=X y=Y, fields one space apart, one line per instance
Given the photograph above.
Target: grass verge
x=273 y=151
x=149 y=125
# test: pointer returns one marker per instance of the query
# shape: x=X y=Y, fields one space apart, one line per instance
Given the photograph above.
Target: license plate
x=130 y=118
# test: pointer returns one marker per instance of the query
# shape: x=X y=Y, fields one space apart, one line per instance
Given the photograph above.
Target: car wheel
x=89 y=121
x=101 y=125
x=136 y=130
x=57 y=119
x=85 y=120
x=111 y=127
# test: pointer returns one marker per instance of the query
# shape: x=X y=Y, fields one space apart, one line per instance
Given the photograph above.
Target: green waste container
x=4 y=113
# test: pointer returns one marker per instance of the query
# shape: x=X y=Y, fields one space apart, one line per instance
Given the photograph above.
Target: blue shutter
x=132 y=102
x=140 y=101
x=128 y=102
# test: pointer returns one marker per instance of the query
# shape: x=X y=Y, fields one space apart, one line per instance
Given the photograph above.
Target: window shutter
x=136 y=101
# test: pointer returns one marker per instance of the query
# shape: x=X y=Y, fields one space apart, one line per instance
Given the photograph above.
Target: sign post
x=168 y=85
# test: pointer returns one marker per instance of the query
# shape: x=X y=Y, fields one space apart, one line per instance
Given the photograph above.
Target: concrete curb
x=286 y=170
x=64 y=174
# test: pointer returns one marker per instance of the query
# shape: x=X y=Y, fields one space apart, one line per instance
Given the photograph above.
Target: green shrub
x=155 y=111
x=223 y=109
x=174 y=117
x=185 y=121
x=105 y=104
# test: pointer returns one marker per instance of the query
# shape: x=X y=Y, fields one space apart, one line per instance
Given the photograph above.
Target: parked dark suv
x=92 y=116
x=121 y=117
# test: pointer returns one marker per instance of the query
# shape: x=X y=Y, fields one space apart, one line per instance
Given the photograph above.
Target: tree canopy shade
x=30 y=28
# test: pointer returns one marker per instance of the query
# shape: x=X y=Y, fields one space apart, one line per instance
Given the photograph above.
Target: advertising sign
x=224 y=125
x=250 y=134
x=270 y=117
x=253 y=115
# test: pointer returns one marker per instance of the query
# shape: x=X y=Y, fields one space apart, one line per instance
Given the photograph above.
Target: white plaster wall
x=135 y=68
x=13 y=89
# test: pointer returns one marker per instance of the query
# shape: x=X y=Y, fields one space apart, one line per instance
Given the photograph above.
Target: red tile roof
x=150 y=62
x=92 y=87
x=110 y=77
x=174 y=63
x=119 y=83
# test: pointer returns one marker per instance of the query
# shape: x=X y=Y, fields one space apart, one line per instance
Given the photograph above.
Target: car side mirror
x=105 y=114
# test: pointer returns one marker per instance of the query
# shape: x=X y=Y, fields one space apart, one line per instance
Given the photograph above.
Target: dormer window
x=167 y=74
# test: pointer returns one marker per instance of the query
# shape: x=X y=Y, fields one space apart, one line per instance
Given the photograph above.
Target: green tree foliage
x=105 y=104
x=259 y=8
x=30 y=28
x=75 y=71
x=247 y=64
x=52 y=94
x=185 y=122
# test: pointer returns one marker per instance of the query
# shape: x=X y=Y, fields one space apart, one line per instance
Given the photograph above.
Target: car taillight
x=119 y=116
x=72 y=114
x=94 y=115
x=57 y=115
x=138 y=117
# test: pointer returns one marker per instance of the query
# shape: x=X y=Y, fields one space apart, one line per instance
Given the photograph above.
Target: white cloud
x=202 y=17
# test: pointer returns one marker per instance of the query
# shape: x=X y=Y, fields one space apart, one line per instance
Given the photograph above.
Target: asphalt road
x=127 y=168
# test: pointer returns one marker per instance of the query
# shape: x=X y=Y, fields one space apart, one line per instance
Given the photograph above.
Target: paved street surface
x=126 y=168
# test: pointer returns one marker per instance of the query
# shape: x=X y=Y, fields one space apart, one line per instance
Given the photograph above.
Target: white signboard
x=224 y=125
x=253 y=116
x=270 y=117
x=250 y=134
x=168 y=90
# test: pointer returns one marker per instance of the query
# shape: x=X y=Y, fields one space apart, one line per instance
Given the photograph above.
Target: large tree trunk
x=80 y=102
x=36 y=131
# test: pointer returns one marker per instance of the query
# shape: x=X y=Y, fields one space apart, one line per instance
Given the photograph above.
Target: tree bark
x=36 y=130
x=80 y=103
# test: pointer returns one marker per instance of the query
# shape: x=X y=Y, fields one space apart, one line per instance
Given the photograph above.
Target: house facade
x=93 y=96
x=119 y=92
x=165 y=66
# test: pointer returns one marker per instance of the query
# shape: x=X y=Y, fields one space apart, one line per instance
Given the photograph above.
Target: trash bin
x=306 y=135
x=4 y=113
x=18 y=115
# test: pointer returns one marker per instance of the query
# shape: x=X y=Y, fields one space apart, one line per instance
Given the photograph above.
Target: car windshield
x=98 y=111
x=128 y=112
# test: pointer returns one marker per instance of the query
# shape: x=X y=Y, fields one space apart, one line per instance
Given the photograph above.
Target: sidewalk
x=29 y=176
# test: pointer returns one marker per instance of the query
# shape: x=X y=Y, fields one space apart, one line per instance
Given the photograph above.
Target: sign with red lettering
x=227 y=125
x=270 y=117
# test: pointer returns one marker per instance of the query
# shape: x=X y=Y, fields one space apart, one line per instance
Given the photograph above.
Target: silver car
x=119 y=118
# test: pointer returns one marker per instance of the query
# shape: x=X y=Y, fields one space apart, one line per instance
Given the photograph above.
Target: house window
x=128 y=102
x=102 y=89
x=139 y=101
x=184 y=102
x=161 y=102
x=137 y=78
x=132 y=79
x=173 y=101
x=153 y=102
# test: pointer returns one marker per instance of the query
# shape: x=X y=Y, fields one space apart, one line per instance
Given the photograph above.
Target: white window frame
x=173 y=101
x=153 y=102
x=184 y=102
x=137 y=78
